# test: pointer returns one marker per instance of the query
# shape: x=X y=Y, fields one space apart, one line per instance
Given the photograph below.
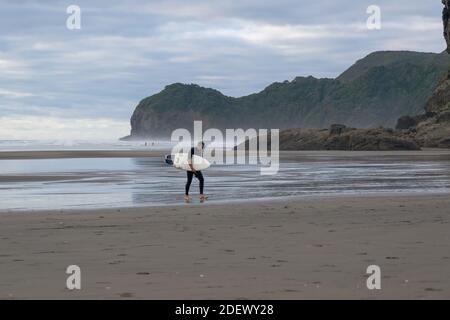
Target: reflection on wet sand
x=147 y=181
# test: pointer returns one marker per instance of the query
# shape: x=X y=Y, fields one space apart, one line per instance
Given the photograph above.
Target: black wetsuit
x=190 y=175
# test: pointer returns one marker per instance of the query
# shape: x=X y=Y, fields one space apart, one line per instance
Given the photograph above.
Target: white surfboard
x=180 y=161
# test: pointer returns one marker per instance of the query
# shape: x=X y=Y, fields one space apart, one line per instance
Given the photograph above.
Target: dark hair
x=201 y=143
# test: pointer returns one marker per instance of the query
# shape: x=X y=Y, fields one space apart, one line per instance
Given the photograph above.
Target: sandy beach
x=224 y=150
x=296 y=249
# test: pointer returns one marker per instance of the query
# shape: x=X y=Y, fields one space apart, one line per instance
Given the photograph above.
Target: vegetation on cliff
x=374 y=92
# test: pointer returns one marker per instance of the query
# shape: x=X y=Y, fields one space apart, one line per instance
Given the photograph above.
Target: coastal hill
x=430 y=129
x=374 y=92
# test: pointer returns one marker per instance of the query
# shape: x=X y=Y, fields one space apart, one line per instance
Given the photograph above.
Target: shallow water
x=126 y=182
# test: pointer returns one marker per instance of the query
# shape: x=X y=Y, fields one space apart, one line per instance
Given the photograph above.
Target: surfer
x=445 y=20
x=197 y=174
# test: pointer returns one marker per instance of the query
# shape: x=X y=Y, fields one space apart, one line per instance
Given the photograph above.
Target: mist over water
x=62 y=145
x=134 y=182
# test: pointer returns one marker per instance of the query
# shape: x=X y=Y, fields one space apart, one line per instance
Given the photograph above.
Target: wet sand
x=18 y=155
x=296 y=249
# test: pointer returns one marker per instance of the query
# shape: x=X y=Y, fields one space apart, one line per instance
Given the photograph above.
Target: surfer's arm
x=190 y=160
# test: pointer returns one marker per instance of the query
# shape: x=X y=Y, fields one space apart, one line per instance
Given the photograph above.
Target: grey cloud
x=127 y=50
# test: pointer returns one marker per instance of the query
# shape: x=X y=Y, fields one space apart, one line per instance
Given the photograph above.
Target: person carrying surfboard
x=198 y=174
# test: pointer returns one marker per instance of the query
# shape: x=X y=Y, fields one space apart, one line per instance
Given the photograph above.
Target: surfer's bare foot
x=203 y=198
x=187 y=199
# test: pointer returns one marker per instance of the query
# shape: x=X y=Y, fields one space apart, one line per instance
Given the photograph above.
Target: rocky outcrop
x=440 y=99
x=407 y=122
x=347 y=139
x=431 y=130
x=434 y=132
x=446 y=23
x=340 y=137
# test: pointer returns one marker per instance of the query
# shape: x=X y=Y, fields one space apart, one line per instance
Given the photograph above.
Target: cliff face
x=431 y=129
x=177 y=106
x=434 y=131
x=440 y=100
x=374 y=92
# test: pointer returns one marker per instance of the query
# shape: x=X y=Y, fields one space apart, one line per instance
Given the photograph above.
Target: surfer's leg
x=190 y=174
x=199 y=176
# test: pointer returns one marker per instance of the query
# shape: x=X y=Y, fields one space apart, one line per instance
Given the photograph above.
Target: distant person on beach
x=198 y=174
x=445 y=20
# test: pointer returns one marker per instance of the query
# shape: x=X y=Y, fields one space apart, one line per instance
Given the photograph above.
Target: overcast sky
x=57 y=83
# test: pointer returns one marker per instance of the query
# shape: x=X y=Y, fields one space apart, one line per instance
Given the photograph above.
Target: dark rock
x=126 y=138
x=405 y=122
x=348 y=139
x=443 y=117
x=444 y=143
x=337 y=129
x=446 y=23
